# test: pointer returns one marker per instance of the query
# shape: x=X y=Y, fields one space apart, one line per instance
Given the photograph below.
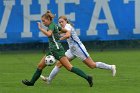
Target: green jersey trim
x=55 y=42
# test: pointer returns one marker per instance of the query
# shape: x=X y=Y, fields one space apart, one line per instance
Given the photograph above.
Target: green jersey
x=54 y=39
x=55 y=47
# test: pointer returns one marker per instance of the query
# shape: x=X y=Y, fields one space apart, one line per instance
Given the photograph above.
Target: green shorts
x=57 y=53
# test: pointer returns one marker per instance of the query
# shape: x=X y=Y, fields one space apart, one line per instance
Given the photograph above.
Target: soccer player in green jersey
x=55 y=49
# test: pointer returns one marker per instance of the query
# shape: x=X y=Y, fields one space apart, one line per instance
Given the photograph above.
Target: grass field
x=18 y=65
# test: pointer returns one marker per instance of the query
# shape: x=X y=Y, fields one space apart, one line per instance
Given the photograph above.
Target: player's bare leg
x=90 y=63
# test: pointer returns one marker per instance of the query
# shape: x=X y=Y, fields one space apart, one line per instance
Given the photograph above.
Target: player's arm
x=63 y=30
x=47 y=33
x=67 y=34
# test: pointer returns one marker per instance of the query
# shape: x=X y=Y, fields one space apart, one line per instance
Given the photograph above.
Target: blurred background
x=109 y=29
x=100 y=24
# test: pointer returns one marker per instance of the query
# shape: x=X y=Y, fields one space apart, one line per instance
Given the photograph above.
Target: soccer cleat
x=113 y=70
x=45 y=79
x=27 y=83
x=90 y=81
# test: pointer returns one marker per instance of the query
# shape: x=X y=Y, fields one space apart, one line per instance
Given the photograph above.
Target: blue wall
x=93 y=19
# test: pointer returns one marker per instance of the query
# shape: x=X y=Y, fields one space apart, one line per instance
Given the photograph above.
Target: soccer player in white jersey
x=76 y=49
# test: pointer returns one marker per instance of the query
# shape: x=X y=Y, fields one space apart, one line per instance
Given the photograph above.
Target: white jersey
x=74 y=38
x=76 y=47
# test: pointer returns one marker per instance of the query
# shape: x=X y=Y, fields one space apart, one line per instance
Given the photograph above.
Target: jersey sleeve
x=68 y=27
x=51 y=27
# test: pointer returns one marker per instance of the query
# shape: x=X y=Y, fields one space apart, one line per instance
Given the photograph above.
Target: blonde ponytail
x=48 y=15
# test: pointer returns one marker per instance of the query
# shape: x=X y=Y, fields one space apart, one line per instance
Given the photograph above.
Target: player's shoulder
x=68 y=25
x=51 y=25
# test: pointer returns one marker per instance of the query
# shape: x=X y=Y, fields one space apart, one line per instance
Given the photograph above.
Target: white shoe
x=45 y=79
x=113 y=70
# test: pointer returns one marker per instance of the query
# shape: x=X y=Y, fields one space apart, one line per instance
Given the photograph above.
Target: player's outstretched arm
x=47 y=33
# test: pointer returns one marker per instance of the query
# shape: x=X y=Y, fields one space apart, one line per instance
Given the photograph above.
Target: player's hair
x=65 y=18
x=48 y=15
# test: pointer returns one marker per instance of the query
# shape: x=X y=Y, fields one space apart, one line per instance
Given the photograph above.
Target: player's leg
x=64 y=61
x=60 y=55
x=37 y=73
x=90 y=63
x=82 y=53
x=57 y=67
x=53 y=73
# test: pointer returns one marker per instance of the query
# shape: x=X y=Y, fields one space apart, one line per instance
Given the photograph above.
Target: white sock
x=103 y=65
x=53 y=73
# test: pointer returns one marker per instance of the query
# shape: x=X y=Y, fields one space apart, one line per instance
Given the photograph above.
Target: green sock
x=36 y=75
x=79 y=72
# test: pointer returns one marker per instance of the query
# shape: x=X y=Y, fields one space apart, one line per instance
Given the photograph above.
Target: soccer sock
x=53 y=73
x=79 y=72
x=103 y=65
x=36 y=75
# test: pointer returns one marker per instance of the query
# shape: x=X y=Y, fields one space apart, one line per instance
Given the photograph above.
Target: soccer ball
x=50 y=60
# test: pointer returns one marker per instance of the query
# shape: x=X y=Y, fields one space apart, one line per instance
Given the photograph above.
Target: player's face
x=45 y=21
x=62 y=22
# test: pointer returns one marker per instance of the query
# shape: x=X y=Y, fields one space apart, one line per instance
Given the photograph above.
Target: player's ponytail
x=48 y=15
x=69 y=22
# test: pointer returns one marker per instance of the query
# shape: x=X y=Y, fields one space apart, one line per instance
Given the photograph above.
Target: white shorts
x=77 y=50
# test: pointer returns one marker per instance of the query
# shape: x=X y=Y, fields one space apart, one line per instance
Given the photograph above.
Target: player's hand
x=39 y=26
x=60 y=32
